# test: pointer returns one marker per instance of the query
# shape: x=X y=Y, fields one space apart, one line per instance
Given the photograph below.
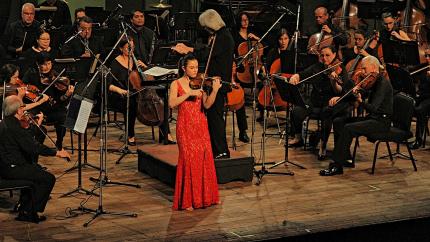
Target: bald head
x=321 y=15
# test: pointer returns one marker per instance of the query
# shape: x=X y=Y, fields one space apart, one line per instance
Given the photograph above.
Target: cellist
x=335 y=36
x=360 y=39
x=243 y=35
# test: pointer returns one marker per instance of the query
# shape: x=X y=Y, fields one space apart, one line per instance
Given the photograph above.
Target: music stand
x=289 y=93
x=404 y=53
x=401 y=80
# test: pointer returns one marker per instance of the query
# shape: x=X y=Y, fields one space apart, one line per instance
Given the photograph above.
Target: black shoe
x=171 y=142
x=222 y=156
x=332 y=170
x=131 y=143
x=322 y=157
x=30 y=217
x=297 y=144
x=244 y=138
x=416 y=145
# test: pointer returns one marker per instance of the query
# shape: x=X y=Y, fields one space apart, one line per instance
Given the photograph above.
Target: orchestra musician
x=221 y=63
x=360 y=39
x=144 y=40
x=391 y=29
x=326 y=86
x=43 y=43
x=120 y=68
x=422 y=105
x=21 y=34
x=19 y=154
x=243 y=35
x=329 y=32
x=60 y=18
x=55 y=111
x=380 y=108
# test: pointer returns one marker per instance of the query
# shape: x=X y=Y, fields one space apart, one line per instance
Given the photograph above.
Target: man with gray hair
x=379 y=107
x=19 y=153
x=21 y=34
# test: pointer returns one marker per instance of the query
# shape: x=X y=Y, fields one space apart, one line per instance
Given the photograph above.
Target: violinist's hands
x=39 y=118
x=326 y=29
x=333 y=101
x=359 y=98
x=44 y=98
x=253 y=36
x=63 y=154
x=294 y=79
x=196 y=93
x=70 y=90
x=363 y=52
x=395 y=34
x=122 y=92
x=333 y=76
x=216 y=84
x=19 y=50
x=86 y=54
x=21 y=92
x=182 y=48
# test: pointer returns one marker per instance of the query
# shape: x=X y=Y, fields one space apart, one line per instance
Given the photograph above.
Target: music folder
x=78 y=113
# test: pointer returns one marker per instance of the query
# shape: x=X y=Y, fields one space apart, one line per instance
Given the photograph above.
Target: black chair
x=14 y=185
x=399 y=132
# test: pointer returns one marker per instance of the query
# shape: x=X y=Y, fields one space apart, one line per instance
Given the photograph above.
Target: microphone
x=113 y=13
x=74 y=36
x=284 y=9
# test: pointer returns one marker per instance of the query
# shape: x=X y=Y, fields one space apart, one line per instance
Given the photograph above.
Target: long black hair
x=7 y=71
x=183 y=62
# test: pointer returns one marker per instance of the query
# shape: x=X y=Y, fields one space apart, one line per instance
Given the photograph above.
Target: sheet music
x=160 y=71
x=83 y=116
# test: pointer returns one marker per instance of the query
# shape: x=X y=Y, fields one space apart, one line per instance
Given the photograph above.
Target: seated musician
x=279 y=59
x=9 y=74
x=60 y=92
x=43 y=43
x=334 y=34
x=120 y=68
x=243 y=35
x=18 y=161
x=380 y=109
x=422 y=105
x=144 y=43
x=360 y=40
x=60 y=18
x=325 y=87
x=391 y=29
x=21 y=34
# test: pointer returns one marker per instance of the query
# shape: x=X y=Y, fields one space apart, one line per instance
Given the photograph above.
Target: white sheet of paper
x=83 y=116
x=160 y=71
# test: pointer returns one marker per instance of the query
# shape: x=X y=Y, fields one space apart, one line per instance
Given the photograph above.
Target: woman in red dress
x=196 y=182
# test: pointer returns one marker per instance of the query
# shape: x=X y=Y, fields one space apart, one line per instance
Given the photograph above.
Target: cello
x=248 y=64
x=235 y=98
x=269 y=91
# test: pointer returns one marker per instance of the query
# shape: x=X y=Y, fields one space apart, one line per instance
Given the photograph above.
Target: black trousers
x=57 y=116
x=354 y=127
x=120 y=104
x=216 y=124
x=43 y=183
x=242 y=124
x=421 y=111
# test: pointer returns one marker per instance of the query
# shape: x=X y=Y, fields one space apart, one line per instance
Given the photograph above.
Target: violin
x=206 y=83
x=366 y=83
x=32 y=93
x=27 y=119
x=61 y=83
x=334 y=66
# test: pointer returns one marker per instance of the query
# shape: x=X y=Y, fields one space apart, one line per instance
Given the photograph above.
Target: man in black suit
x=19 y=153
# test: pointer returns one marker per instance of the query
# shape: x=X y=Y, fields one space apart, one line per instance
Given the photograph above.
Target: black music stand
x=404 y=53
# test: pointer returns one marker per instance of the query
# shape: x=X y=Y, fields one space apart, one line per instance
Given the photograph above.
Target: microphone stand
x=289 y=107
x=3 y=97
x=125 y=150
x=103 y=179
x=260 y=173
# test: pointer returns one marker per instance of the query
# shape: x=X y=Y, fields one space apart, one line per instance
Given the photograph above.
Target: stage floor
x=281 y=206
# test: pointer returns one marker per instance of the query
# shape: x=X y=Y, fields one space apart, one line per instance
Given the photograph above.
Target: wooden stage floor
x=281 y=206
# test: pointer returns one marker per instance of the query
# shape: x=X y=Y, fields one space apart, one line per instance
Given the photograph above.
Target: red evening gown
x=196 y=182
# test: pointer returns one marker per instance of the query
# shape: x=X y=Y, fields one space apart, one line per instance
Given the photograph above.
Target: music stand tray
x=289 y=92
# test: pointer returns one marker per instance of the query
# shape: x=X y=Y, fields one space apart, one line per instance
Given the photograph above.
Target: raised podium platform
x=159 y=161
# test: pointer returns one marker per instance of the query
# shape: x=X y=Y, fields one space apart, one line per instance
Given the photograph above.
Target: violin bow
x=55 y=80
x=209 y=60
x=316 y=74
x=350 y=90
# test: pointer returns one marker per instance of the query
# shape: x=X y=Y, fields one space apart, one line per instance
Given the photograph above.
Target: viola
x=27 y=119
x=61 y=83
x=366 y=83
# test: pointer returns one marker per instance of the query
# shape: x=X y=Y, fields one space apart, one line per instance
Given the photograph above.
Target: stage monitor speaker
x=127 y=5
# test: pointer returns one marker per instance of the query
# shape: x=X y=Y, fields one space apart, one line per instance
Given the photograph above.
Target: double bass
x=150 y=106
